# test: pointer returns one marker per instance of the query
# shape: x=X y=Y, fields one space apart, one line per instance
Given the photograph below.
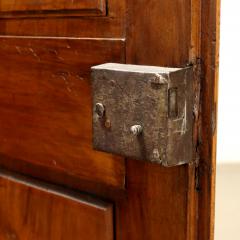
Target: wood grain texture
x=159 y=32
x=172 y=33
x=160 y=200
x=172 y=204
x=110 y=26
x=194 y=60
x=30 y=8
x=35 y=211
x=46 y=106
x=156 y=206
x=209 y=82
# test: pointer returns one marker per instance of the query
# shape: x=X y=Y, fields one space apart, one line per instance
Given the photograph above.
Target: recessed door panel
x=46 y=110
x=31 y=210
x=29 y=7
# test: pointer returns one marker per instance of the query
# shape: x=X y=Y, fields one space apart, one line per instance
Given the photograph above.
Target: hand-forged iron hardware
x=143 y=112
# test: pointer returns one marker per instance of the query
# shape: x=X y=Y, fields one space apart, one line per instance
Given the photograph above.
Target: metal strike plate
x=143 y=112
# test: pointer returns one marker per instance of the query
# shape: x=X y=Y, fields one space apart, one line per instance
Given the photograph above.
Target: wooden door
x=53 y=185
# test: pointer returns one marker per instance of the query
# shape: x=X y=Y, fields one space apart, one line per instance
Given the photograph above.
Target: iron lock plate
x=143 y=112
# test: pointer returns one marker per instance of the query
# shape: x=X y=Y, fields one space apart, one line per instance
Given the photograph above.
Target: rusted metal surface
x=157 y=100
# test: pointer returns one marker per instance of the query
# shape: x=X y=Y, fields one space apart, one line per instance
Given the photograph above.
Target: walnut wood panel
x=45 y=107
x=110 y=26
x=159 y=199
x=160 y=30
x=156 y=207
x=163 y=203
x=160 y=203
x=31 y=210
x=31 y=8
x=207 y=167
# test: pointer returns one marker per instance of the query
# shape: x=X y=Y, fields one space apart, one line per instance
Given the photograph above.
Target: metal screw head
x=136 y=129
x=112 y=83
x=159 y=79
x=156 y=154
x=100 y=109
x=107 y=124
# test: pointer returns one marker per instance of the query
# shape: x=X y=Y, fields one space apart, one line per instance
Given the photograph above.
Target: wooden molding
x=28 y=8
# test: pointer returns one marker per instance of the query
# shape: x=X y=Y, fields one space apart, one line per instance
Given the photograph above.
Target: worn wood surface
x=110 y=26
x=27 y=8
x=156 y=202
x=159 y=33
x=209 y=83
x=156 y=207
x=46 y=106
x=31 y=210
x=172 y=32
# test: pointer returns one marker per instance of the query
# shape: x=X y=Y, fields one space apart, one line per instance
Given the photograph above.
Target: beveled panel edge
x=99 y=10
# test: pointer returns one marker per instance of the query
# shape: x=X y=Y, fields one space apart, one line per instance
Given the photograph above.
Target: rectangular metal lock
x=143 y=112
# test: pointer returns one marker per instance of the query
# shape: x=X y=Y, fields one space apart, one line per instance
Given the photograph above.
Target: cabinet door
x=31 y=210
x=47 y=49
